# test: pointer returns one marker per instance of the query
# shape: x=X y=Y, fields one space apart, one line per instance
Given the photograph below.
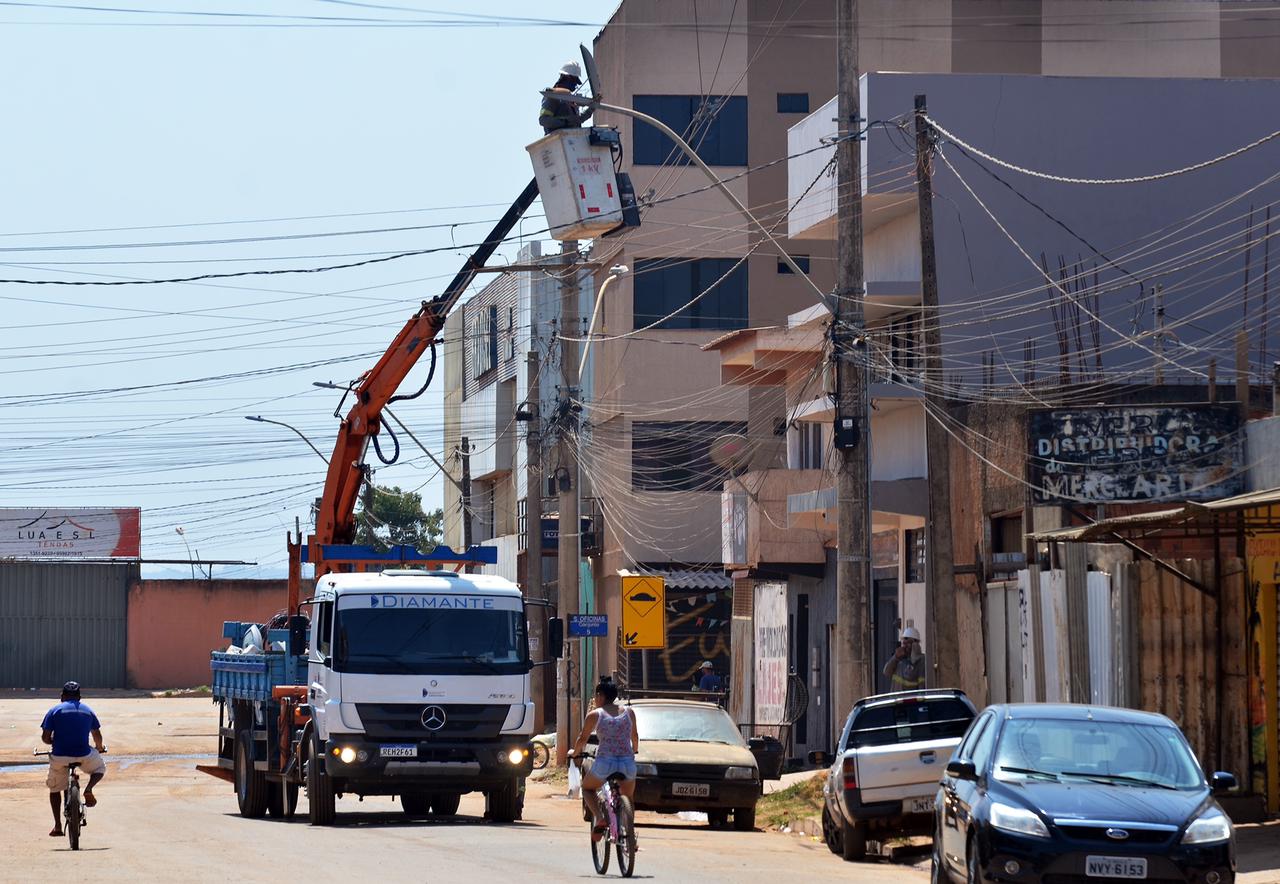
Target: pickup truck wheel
x=504 y=803
x=415 y=804
x=320 y=797
x=251 y=784
x=829 y=834
x=445 y=803
x=744 y=818
x=853 y=841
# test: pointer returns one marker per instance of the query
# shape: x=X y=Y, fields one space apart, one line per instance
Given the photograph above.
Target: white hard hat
x=707 y=664
x=572 y=69
x=912 y=633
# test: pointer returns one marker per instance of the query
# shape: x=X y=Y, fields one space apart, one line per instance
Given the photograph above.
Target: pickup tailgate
x=901 y=770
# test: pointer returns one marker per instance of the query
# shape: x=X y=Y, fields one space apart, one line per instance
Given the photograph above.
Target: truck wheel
x=853 y=842
x=415 y=804
x=445 y=803
x=504 y=803
x=251 y=784
x=320 y=798
x=744 y=818
x=829 y=834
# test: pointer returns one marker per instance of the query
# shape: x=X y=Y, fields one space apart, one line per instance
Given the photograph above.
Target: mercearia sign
x=1135 y=453
x=70 y=533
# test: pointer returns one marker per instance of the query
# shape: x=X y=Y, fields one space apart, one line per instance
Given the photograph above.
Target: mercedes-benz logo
x=1117 y=834
x=433 y=718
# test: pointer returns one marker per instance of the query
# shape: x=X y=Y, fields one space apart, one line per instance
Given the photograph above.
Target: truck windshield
x=430 y=641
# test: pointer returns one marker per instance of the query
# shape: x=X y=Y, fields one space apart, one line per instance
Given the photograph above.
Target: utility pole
x=853 y=675
x=1159 y=333
x=464 y=454
x=533 y=528
x=944 y=643
x=568 y=555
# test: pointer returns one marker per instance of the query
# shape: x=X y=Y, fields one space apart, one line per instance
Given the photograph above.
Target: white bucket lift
x=580 y=190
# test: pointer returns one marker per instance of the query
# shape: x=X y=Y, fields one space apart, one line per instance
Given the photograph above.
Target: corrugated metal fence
x=63 y=621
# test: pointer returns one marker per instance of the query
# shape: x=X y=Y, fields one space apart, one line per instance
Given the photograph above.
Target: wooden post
x=464 y=453
x=854 y=641
x=943 y=643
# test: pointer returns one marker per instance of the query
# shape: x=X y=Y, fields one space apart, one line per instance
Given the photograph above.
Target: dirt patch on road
x=802 y=800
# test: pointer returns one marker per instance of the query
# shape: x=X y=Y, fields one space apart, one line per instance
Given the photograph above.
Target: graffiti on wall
x=1135 y=453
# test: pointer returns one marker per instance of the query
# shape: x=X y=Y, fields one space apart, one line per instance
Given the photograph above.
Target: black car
x=1060 y=794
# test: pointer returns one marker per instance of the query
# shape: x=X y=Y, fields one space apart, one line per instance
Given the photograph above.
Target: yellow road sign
x=644 y=613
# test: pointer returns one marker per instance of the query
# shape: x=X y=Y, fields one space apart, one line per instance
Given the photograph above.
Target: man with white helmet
x=905 y=668
x=557 y=113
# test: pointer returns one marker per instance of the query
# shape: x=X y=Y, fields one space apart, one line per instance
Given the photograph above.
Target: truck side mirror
x=555 y=638
x=298 y=635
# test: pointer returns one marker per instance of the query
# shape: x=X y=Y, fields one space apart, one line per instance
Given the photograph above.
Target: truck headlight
x=646 y=770
x=1209 y=827
x=740 y=773
x=347 y=755
x=516 y=756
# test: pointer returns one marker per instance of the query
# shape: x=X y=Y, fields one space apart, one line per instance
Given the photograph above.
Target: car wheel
x=853 y=841
x=973 y=863
x=937 y=874
x=744 y=818
x=717 y=819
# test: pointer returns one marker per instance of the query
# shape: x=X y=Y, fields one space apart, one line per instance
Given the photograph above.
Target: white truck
x=884 y=776
x=416 y=685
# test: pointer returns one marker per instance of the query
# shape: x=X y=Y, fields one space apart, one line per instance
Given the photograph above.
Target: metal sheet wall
x=63 y=621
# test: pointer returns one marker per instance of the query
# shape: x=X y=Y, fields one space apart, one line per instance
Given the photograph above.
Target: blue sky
x=196 y=130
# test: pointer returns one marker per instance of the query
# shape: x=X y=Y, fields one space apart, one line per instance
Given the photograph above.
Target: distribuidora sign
x=70 y=533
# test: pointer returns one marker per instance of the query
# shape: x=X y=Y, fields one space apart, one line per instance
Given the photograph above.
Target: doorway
x=885 y=591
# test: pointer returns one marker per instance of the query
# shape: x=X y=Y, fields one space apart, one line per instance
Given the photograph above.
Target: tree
x=396 y=517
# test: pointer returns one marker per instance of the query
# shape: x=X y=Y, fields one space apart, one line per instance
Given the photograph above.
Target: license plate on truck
x=398 y=752
x=920 y=805
x=1115 y=867
x=691 y=790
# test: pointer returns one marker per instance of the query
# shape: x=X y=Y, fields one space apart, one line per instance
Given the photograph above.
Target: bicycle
x=72 y=803
x=620 y=819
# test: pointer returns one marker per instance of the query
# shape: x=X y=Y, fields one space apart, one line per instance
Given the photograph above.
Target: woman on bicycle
x=618 y=742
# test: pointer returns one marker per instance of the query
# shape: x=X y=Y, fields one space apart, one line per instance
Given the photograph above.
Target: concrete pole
x=943 y=646
x=568 y=700
x=533 y=534
x=853 y=673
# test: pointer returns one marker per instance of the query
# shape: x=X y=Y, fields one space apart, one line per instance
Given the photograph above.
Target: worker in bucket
x=560 y=114
x=905 y=668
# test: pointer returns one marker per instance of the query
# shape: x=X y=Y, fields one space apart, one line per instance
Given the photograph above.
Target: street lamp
x=262 y=420
x=190 y=561
x=614 y=272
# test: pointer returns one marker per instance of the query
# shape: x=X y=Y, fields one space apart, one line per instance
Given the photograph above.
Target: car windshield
x=690 y=724
x=430 y=641
x=1112 y=752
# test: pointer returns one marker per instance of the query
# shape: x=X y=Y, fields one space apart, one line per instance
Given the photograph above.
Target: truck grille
x=392 y=722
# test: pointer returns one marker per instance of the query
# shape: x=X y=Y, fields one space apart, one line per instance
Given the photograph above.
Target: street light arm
x=707 y=170
x=262 y=420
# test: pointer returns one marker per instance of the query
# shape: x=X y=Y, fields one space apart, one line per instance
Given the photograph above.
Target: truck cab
x=418 y=685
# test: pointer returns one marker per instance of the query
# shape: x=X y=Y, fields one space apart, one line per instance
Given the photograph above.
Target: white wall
x=897 y=444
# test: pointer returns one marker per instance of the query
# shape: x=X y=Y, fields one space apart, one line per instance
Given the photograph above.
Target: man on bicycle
x=67 y=728
x=618 y=742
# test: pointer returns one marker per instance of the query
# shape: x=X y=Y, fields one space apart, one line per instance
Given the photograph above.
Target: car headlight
x=347 y=755
x=1209 y=827
x=516 y=756
x=740 y=773
x=1018 y=820
x=646 y=770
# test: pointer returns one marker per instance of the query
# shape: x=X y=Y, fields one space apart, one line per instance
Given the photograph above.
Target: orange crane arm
x=335 y=519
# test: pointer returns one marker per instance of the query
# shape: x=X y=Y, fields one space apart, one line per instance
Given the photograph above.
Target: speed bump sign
x=644 y=613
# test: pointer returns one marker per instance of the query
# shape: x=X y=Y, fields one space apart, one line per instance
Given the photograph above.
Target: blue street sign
x=588 y=625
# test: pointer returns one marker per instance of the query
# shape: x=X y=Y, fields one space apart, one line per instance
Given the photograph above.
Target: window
x=714 y=125
x=810 y=448
x=324 y=628
x=484 y=340
x=985 y=746
x=511 y=329
x=965 y=749
x=663 y=285
x=793 y=102
x=802 y=261
x=909 y=721
x=914 y=541
x=676 y=455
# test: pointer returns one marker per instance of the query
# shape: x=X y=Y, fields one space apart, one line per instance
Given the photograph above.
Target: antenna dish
x=593 y=75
